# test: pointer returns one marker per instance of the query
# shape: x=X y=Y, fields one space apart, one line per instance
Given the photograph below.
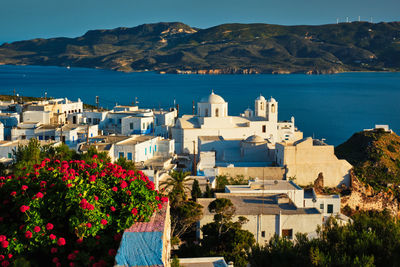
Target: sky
x=27 y=19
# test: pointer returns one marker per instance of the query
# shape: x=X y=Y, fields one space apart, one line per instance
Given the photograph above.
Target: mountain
x=228 y=48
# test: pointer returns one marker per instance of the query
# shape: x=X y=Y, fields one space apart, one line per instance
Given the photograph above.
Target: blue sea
x=324 y=106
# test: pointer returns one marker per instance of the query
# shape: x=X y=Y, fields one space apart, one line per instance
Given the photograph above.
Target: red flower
x=112 y=208
x=61 y=241
x=157 y=198
x=94 y=157
x=79 y=241
x=69 y=185
x=3 y=238
x=49 y=226
x=2 y=257
x=36 y=229
x=71 y=264
x=28 y=234
x=124 y=184
x=103 y=222
x=4 y=244
x=5 y=264
x=10 y=256
x=55 y=260
x=115 y=189
x=13 y=193
x=52 y=237
x=96 y=198
x=53 y=250
x=71 y=256
x=159 y=206
x=92 y=178
x=24 y=187
x=134 y=211
x=39 y=195
x=89 y=225
x=112 y=252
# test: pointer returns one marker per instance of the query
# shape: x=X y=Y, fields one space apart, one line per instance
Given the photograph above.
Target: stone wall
x=268 y=173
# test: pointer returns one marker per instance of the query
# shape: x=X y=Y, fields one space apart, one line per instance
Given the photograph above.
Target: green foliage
x=175 y=261
x=126 y=164
x=208 y=193
x=224 y=237
x=196 y=191
x=223 y=180
x=184 y=216
x=176 y=184
x=373 y=239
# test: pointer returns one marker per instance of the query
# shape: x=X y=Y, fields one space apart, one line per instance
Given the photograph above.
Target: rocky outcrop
x=364 y=198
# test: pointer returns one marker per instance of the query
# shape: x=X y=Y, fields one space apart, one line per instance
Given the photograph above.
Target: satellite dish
x=314 y=200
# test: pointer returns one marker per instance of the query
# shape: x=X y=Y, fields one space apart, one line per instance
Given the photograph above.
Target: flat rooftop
x=250 y=204
x=107 y=139
x=267 y=185
x=136 y=139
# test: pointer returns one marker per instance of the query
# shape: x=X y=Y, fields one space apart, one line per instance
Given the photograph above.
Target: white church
x=212 y=119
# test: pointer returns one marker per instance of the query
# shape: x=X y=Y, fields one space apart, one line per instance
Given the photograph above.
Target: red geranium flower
x=115 y=189
x=134 y=211
x=36 y=229
x=24 y=187
x=112 y=208
x=4 y=244
x=52 y=237
x=49 y=226
x=24 y=208
x=112 y=252
x=53 y=250
x=89 y=225
x=3 y=238
x=61 y=241
x=39 y=195
x=103 y=222
x=28 y=234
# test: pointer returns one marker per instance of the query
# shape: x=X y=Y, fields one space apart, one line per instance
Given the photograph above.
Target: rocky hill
x=375 y=156
x=228 y=48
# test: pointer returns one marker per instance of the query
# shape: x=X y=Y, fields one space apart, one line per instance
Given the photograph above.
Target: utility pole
x=193 y=106
x=177 y=110
x=61 y=133
x=194 y=159
x=87 y=135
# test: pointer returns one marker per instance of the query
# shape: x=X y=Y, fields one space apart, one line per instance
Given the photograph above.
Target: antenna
x=359 y=18
x=97 y=102
x=347 y=19
x=337 y=20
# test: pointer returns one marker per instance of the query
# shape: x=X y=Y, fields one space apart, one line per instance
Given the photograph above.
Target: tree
x=184 y=216
x=225 y=237
x=209 y=193
x=126 y=164
x=176 y=183
x=196 y=191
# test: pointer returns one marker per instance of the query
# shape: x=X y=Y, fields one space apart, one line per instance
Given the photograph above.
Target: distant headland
x=224 y=49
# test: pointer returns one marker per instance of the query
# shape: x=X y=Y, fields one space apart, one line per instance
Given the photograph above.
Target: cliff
x=223 y=49
x=375 y=179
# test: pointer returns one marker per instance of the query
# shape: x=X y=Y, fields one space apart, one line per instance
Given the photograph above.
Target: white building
x=212 y=119
x=306 y=158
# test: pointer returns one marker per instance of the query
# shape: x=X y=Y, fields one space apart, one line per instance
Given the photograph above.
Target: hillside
x=375 y=156
x=228 y=48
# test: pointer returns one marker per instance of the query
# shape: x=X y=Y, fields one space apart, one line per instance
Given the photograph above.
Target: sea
x=330 y=107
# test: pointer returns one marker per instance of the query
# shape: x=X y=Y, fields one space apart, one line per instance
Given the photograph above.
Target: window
x=288 y=233
x=144 y=125
x=23 y=137
x=264 y=128
x=330 y=208
x=9 y=155
x=263 y=234
x=261 y=106
x=321 y=206
x=131 y=125
x=206 y=115
x=120 y=154
x=129 y=156
x=216 y=112
x=145 y=151
x=273 y=108
x=155 y=148
x=119 y=120
x=150 y=149
x=89 y=120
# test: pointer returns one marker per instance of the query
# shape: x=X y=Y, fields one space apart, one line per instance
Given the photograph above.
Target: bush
x=391 y=148
x=72 y=213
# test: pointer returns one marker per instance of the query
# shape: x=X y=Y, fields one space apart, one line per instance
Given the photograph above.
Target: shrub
x=72 y=213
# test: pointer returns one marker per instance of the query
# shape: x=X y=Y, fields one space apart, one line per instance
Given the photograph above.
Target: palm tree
x=176 y=184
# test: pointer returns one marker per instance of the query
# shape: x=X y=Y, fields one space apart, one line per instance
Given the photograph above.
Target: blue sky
x=26 y=19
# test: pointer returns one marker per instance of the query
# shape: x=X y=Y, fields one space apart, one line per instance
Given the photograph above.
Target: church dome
x=254 y=139
x=272 y=99
x=260 y=98
x=213 y=99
